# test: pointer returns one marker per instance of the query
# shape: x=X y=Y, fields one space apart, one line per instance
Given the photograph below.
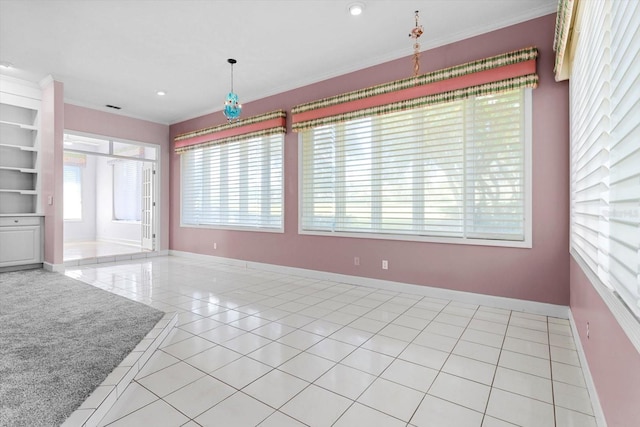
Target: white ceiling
x=121 y=52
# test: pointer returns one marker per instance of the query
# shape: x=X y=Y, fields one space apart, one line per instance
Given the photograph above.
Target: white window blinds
x=127 y=190
x=236 y=184
x=451 y=170
x=605 y=145
x=72 y=191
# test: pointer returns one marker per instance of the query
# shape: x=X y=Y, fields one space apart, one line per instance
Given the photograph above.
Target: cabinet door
x=20 y=245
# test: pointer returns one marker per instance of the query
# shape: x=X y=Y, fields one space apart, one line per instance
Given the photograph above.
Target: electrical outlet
x=356 y=260
x=385 y=264
x=587 y=330
x=215 y=245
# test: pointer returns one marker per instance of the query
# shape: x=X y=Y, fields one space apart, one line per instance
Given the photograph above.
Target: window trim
x=527 y=243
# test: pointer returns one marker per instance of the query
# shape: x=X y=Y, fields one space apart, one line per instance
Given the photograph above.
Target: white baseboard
x=56 y=268
x=533 y=307
x=591 y=386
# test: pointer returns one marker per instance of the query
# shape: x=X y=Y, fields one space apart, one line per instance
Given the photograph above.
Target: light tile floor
x=257 y=348
x=94 y=249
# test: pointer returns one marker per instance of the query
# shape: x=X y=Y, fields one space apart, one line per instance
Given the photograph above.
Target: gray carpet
x=59 y=339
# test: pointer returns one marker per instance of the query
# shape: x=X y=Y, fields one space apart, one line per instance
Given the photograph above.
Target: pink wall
x=613 y=360
x=51 y=136
x=538 y=274
x=96 y=122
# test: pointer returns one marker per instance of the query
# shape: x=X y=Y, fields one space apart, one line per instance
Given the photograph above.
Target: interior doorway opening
x=110 y=197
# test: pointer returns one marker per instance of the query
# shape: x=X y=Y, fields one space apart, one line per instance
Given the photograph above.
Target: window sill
x=526 y=244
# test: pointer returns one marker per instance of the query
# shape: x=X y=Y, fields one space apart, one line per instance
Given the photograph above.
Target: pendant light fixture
x=232 y=106
x=415 y=34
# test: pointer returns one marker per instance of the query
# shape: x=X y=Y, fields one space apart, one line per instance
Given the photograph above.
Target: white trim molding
x=591 y=386
x=533 y=307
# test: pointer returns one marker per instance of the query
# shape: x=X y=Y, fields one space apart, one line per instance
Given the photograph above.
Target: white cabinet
x=19 y=146
x=20 y=241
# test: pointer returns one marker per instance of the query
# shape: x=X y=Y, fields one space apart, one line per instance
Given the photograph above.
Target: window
x=234 y=184
x=72 y=182
x=605 y=146
x=127 y=190
x=455 y=171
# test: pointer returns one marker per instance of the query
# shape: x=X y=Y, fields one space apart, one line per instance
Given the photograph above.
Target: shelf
x=23 y=170
x=20 y=125
x=23 y=192
x=19 y=147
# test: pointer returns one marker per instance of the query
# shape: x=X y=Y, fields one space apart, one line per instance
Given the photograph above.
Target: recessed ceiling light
x=356 y=9
x=161 y=93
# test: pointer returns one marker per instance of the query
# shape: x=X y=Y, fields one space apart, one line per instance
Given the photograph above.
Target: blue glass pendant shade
x=232 y=107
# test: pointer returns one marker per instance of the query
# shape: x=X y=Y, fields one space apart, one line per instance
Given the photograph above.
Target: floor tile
x=331 y=349
x=275 y=388
x=494 y=422
x=239 y=410
x=246 y=343
x=541 y=337
x=452 y=331
x=560 y=329
x=520 y=410
x=461 y=391
x=351 y=336
x=200 y=326
x=241 y=372
x=362 y=416
x=412 y=322
x=567 y=374
x=171 y=378
x=564 y=355
x=433 y=340
x=385 y=345
x=470 y=369
x=410 y=375
x=307 y=366
x=572 y=397
x=249 y=323
x=488 y=326
x=133 y=398
x=483 y=353
x=156 y=413
x=562 y=341
x=175 y=335
x=322 y=327
x=345 y=381
x=482 y=337
x=451 y=319
x=213 y=358
x=273 y=330
x=399 y=332
x=316 y=406
x=435 y=412
x=425 y=356
x=222 y=334
x=526 y=347
x=278 y=419
x=368 y=361
x=524 y=384
x=200 y=395
x=300 y=339
x=274 y=354
x=524 y=363
x=158 y=361
x=566 y=417
x=392 y=399
x=188 y=347
x=368 y=325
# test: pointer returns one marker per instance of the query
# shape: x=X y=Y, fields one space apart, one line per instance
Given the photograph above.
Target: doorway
x=109 y=197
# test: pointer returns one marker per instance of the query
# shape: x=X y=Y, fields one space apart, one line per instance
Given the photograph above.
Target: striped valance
x=564 y=23
x=251 y=127
x=490 y=75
